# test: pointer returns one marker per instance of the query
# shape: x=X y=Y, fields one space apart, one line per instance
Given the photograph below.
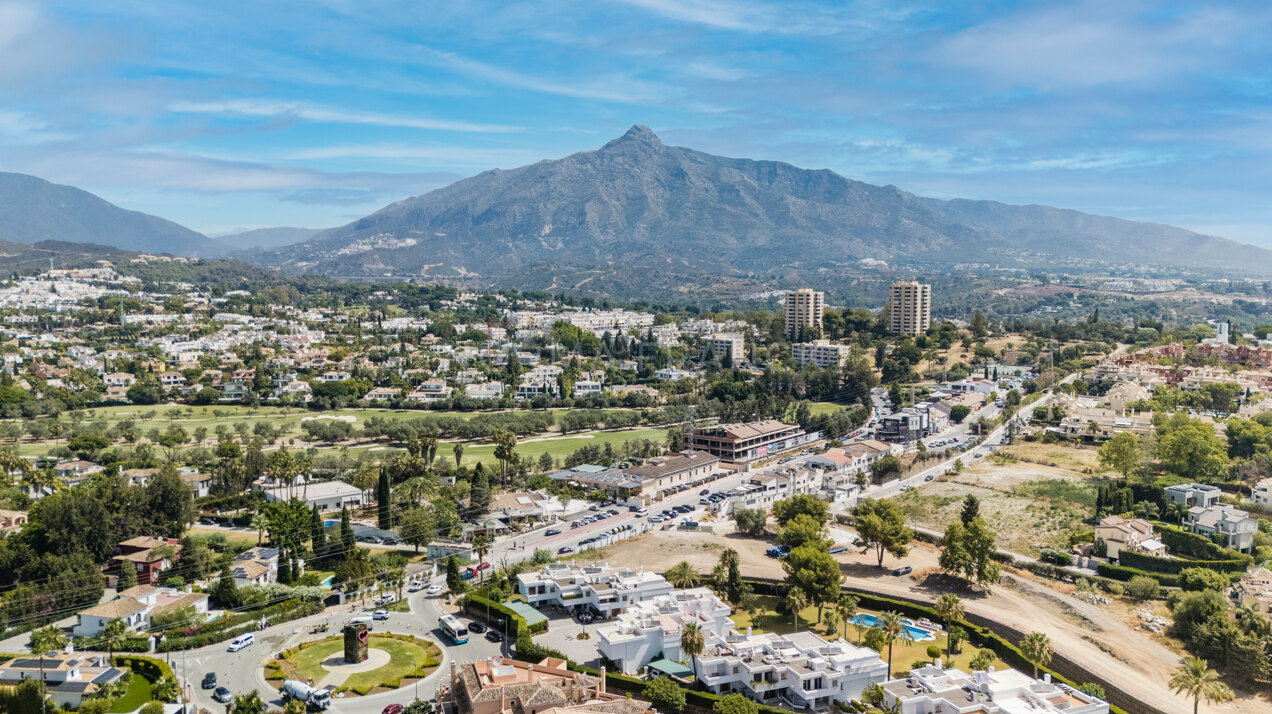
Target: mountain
x=266 y=238
x=636 y=209
x=34 y=210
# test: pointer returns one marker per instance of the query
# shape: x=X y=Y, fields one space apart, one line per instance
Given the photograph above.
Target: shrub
x=933 y=652
x=1203 y=579
x=735 y=704
x=665 y=695
x=1142 y=587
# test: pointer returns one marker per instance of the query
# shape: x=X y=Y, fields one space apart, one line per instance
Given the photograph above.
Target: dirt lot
x=1031 y=495
x=1099 y=636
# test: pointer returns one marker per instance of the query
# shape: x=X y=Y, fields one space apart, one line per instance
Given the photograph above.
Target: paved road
x=242 y=671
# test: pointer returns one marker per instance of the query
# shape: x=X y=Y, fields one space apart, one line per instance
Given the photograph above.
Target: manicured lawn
x=404 y=659
x=903 y=653
x=562 y=446
x=138 y=693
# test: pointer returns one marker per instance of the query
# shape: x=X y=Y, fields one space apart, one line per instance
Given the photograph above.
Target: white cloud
x=1091 y=44
x=614 y=89
x=309 y=112
x=453 y=155
x=782 y=18
x=17 y=19
x=21 y=128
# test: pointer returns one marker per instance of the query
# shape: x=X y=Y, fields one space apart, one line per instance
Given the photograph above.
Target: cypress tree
x=317 y=534
x=383 y=498
x=347 y=540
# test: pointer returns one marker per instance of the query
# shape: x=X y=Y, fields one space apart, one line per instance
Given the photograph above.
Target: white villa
x=651 y=629
x=933 y=690
x=799 y=671
x=600 y=588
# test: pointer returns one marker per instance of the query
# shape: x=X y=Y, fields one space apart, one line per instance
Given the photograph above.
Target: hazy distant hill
x=639 y=207
x=33 y=210
x=266 y=238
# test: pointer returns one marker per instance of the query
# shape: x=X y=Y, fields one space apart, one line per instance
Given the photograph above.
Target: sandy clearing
x=1134 y=658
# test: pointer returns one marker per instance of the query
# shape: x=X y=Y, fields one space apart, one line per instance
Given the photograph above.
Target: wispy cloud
x=326 y=115
x=754 y=17
x=614 y=88
x=22 y=128
x=452 y=155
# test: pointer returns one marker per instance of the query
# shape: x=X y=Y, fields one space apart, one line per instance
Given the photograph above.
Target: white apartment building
x=651 y=629
x=804 y=308
x=820 y=353
x=731 y=345
x=599 y=588
x=909 y=308
x=799 y=671
x=934 y=690
x=1263 y=492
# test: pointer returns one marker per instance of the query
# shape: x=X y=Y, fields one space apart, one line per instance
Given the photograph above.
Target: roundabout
x=392 y=661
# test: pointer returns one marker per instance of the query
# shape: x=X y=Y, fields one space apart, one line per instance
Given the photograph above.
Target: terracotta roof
x=121 y=607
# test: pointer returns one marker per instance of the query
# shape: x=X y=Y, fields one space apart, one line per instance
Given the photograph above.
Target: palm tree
x=893 y=629
x=44 y=641
x=682 y=575
x=950 y=608
x=692 y=640
x=250 y=703
x=1194 y=678
x=845 y=609
x=166 y=689
x=796 y=600
x=261 y=523
x=113 y=635
x=1036 y=647
x=481 y=544
x=1252 y=620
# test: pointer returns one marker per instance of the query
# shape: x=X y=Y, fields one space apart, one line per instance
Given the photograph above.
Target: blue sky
x=234 y=115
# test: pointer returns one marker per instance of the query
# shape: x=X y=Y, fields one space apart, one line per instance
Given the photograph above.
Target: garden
x=410 y=658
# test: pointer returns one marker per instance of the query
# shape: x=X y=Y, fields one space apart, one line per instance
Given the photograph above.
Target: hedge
x=1124 y=573
x=476 y=605
x=1057 y=557
x=1185 y=542
x=1155 y=564
x=228 y=627
x=148 y=667
x=130 y=644
x=623 y=682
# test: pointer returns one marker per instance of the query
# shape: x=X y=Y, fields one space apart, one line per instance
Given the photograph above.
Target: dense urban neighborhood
x=413 y=498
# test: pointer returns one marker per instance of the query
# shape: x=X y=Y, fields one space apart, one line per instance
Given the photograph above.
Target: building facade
x=909 y=308
x=650 y=629
x=598 y=588
x=740 y=443
x=804 y=308
x=820 y=353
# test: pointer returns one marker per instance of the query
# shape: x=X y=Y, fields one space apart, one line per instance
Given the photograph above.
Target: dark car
x=551 y=532
x=209 y=680
x=390 y=541
x=476 y=626
x=565 y=551
x=223 y=695
x=494 y=635
x=903 y=570
x=704 y=492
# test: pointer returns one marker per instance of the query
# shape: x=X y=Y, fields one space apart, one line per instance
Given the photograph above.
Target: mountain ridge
x=638 y=204
x=33 y=210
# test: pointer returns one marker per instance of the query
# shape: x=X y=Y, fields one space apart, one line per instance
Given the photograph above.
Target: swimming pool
x=916 y=634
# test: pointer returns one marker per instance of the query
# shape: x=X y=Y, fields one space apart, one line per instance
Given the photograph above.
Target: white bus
x=454 y=629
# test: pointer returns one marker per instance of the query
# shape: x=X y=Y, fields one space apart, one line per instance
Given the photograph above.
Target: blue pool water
x=916 y=634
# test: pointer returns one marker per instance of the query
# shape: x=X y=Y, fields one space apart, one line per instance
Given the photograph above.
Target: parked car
x=575 y=524
x=565 y=551
x=494 y=635
x=903 y=570
x=209 y=680
x=380 y=615
x=223 y=695
x=476 y=626
x=551 y=532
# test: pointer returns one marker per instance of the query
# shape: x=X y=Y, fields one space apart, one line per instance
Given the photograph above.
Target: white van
x=241 y=642
x=642 y=513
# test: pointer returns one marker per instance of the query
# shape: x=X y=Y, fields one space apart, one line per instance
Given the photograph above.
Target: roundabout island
x=386 y=662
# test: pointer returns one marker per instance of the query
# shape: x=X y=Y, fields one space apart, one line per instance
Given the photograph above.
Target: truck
x=315 y=699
